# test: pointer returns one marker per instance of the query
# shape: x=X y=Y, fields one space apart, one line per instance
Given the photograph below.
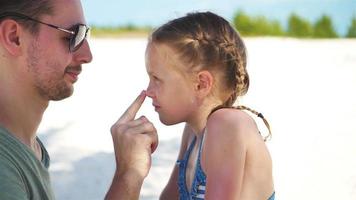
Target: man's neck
x=21 y=112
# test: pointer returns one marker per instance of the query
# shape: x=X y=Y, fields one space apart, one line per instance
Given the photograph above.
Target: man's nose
x=83 y=54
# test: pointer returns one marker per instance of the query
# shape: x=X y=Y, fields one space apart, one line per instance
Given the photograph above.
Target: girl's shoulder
x=229 y=133
x=231 y=121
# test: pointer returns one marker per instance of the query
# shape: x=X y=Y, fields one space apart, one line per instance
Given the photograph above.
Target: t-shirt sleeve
x=12 y=186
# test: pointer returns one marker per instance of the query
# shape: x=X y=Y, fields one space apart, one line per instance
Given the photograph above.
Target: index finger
x=131 y=111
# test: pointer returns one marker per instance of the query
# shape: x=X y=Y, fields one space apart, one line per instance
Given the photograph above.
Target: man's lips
x=73 y=72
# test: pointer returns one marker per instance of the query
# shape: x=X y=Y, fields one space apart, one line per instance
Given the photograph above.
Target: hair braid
x=258 y=114
x=236 y=64
x=269 y=136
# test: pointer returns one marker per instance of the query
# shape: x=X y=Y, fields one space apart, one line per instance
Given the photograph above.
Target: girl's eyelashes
x=153 y=77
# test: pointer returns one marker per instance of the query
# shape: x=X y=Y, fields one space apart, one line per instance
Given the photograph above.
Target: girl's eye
x=155 y=78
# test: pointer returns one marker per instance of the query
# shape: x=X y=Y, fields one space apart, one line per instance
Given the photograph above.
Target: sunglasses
x=78 y=32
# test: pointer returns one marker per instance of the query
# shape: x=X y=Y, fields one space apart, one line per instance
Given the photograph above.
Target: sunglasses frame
x=74 y=34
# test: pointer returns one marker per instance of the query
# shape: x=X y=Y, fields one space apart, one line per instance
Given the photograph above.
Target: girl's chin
x=168 y=122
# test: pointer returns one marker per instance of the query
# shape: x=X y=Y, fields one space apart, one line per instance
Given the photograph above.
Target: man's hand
x=134 y=141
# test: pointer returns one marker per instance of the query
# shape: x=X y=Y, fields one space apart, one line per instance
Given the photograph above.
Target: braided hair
x=206 y=41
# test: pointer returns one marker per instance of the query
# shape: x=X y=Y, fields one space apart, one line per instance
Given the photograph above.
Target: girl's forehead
x=162 y=54
x=163 y=51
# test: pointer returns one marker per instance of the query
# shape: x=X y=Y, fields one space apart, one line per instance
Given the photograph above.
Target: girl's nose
x=149 y=91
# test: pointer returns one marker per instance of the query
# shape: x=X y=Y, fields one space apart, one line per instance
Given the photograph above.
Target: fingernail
x=143 y=92
x=144 y=119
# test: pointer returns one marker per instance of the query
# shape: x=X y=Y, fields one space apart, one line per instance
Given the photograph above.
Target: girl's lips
x=156 y=107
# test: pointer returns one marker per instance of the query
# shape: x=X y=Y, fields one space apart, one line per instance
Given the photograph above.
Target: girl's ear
x=10 y=32
x=204 y=84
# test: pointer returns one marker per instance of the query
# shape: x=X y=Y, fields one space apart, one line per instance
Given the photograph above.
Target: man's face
x=52 y=67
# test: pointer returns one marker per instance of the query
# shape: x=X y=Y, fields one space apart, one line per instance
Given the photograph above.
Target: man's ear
x=10 y=32
x=204 y=84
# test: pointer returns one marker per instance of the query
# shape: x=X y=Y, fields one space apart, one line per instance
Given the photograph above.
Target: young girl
x=197 y=69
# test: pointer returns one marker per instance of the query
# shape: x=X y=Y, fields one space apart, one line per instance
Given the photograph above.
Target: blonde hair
x=206 y=41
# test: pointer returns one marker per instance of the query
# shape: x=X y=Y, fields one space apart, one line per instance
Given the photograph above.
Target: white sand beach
x=305 y=88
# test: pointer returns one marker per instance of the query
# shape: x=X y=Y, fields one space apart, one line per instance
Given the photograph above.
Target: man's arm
x=125 y=186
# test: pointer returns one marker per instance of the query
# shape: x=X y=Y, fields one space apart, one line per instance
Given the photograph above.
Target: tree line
x=297 y=27
x=251 y=26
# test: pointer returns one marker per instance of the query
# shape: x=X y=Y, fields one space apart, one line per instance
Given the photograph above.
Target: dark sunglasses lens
x=78 y=38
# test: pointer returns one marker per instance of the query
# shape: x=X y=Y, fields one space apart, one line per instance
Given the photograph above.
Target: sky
x=156 y=12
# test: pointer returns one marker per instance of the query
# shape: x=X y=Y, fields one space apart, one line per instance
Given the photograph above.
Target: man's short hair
x=31 y=8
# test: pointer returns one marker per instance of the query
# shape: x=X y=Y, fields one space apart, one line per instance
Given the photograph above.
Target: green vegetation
x=323 y=28
x=120 y=31
x=351 y=33
x=249 y=26
x=254 y=26
x=299 y=27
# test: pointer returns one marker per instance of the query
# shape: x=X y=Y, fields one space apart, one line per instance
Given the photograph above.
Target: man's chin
x=60 y=98
x=62 y=95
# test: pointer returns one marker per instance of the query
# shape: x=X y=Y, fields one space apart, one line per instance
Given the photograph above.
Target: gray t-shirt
x=22 y=175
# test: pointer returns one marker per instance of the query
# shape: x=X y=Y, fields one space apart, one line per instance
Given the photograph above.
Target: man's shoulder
x=10 y=148
x=10 y=175
x=8 y=156
x=15 y=157
x=21 y=174
x=12 y=184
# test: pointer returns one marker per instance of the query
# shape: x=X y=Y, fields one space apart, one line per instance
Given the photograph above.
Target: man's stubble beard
x=48 y=79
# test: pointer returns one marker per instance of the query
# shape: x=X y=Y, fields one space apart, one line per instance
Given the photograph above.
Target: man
x=42 y=47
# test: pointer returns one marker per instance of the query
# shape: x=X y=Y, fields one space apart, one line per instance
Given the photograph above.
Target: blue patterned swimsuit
x=197 y=191
x=199 y=182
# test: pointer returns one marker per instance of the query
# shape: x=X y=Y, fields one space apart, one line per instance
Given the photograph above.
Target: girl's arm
x=224 y=153
x=170 y=192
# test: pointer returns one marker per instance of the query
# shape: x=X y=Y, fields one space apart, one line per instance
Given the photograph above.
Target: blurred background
x=301 y=18
x=302 y=67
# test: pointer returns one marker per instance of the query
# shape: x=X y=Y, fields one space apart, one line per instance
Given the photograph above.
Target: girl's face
x=172 y=93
